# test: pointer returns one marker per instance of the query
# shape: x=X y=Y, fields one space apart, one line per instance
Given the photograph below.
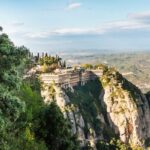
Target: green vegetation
x=97 y=66
x=112 y=145
x=53 y=129
x=50 y=63
x=87 y=99
x=25 y=121
x=1 y=29
x=113 y=78
x=147 y=142
x=87 y=66
x=11 y=107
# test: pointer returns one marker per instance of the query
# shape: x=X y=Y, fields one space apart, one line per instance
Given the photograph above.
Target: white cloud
x=65 y=32
x=37 y=34
x=73 y=6
x=143 y=15
x=124 y=25
x=74 y=31
x=13 y=28
x=17 y=24
x=133 y=22
x=102 y=29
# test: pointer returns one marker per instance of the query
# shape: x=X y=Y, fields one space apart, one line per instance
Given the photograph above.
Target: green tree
x=87 y=66
x=54 y=129
x=1 y=29
x=11 y=107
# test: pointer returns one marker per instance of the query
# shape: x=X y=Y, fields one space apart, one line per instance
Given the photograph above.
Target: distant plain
x=134 y=65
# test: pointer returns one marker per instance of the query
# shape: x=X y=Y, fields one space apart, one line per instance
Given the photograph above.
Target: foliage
x=45 y=124
x=112 y=78
x=50 y=63
x=112 y=145
x=87 y=66
x=22 y=107
x=87 y=99
x=54 y=129
x=147 y=142
x=1 y=29
x=97 y=66
x=11 y=107
x=101 y=66
x=32 y=98
x=14 y=114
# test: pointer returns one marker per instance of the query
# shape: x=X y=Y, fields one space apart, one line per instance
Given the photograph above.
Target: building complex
x=70 y=77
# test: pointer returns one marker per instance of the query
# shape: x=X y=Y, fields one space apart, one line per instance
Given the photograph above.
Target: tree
x=64 y=64
x=87 y=66
x=46 y=55
x=38 y=56
x=11 y=107
x=24 y=118
x=1 y=29
x=51 y=62
x=54 y=129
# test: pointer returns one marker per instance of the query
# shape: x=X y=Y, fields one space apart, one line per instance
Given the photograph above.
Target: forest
x=25 y=121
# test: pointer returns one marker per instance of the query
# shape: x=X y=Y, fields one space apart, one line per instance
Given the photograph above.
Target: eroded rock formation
x=104 y=108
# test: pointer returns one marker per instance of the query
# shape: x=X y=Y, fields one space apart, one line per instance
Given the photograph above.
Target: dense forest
x=25 y=121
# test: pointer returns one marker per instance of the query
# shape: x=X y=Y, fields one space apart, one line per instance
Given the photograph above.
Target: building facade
x=72 y=78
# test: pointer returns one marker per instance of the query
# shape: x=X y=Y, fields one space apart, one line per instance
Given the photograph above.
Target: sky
x=45 y=25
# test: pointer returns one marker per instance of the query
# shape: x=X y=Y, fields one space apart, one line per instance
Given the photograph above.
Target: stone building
x=70 y=78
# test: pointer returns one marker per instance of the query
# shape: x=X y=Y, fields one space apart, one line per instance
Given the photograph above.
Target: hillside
x=25 y=121
x=105 y=109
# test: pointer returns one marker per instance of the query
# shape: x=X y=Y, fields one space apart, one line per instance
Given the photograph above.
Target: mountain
x=104 y=111
x=109 y=107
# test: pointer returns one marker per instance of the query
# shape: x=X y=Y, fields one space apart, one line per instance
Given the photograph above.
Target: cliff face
x=82 y=108
x=104 y=108
x=127 y=108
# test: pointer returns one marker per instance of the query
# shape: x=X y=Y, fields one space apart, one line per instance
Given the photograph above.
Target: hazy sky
x=77 y=24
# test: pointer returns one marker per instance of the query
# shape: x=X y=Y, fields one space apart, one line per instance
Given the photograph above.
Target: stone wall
x=70 y=79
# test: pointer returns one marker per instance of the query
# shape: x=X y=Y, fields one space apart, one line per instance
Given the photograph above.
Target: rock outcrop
x=72 y=111
x=107 y=107
x=127 y=108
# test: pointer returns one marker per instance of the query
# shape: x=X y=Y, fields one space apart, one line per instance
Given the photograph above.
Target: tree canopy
x=11 y=107
x=1 y=29
x=25 y=121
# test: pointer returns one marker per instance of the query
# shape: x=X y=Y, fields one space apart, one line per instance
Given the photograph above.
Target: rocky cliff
x=127 y=108
x=108 y=107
